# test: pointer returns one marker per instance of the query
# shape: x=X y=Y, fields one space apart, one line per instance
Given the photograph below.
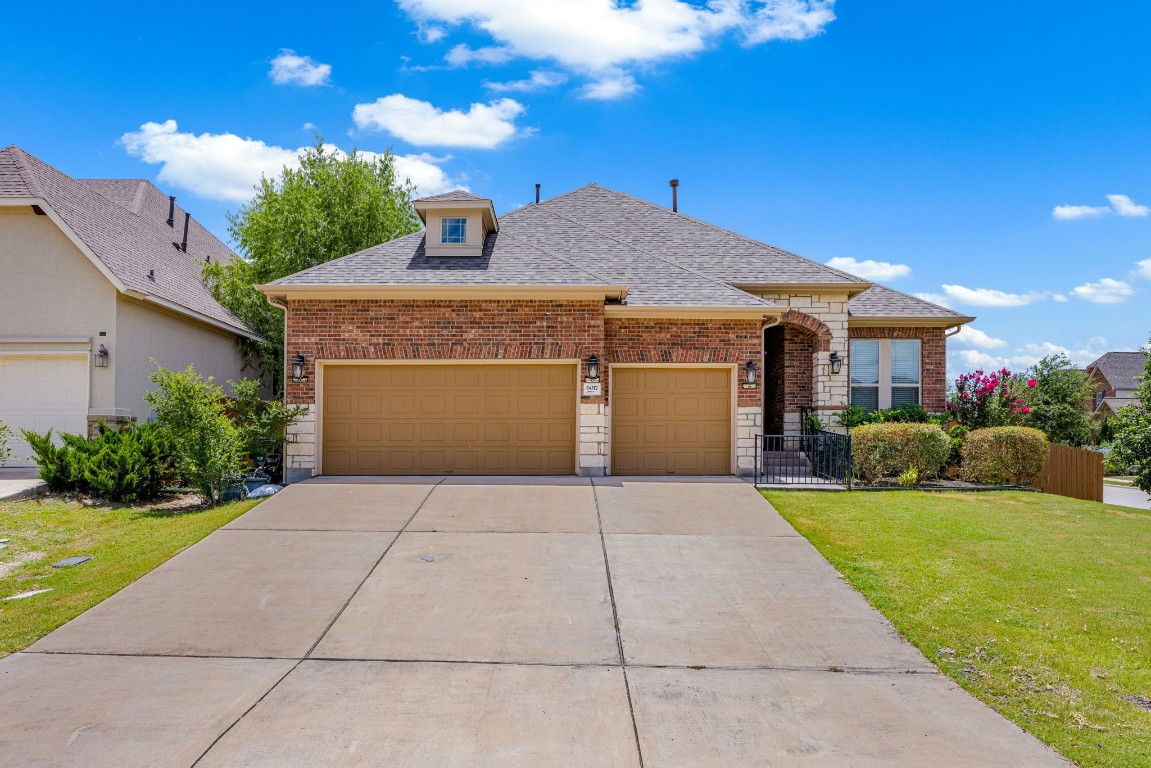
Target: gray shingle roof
x=1120 y=369
x=123 y=222
x=1115 y=403
x=881 y=301
x=448 y=197
x=595 y=236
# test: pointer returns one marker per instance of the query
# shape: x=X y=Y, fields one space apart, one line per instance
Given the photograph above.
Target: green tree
x=332 y=205
x=1057 y=397
x=1132 y=429
x=262 y=423
x=208 y=447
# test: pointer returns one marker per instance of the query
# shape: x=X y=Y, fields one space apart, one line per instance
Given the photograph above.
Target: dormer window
x=454 y=230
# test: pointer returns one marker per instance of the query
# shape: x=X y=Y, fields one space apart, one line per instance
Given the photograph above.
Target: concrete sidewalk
x=483 y=622
x=20 y=482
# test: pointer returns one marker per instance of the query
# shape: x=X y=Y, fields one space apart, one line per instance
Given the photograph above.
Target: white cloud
x=610 y=88
x=973 y=337
x=462 y=55
x=869 y=269
x=289 y=68
x=1059 y=298
x=483 y=126
x=1125 y=206
x=224 y=166
x=539 y=80
x=431 y=33
x=989 y=297
x=1144 y=269
x=1105 y=291
x=1120 y=204
x=974 y=359
x=597 y=36
x=1023 y=356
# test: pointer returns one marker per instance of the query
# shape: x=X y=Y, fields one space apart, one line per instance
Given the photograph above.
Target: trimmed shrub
x=888 y=450
x=1004 y=455
x=124 y=464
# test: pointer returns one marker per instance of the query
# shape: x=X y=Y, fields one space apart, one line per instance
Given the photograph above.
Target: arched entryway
x=789 y=349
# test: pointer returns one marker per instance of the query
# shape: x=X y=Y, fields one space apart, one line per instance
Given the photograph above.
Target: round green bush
x=1004 y=455
x=888 y=450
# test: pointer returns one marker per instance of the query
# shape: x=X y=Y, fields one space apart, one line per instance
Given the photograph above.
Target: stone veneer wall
x=933 y=359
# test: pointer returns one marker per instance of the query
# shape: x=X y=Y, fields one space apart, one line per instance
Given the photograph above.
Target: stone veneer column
x=593 y=439
x=749 y=423
x=830 y=391
x=300 y=448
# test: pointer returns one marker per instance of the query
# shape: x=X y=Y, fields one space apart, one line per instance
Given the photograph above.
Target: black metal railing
x=816 y=457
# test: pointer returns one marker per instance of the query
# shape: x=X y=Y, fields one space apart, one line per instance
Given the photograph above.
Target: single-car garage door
x=41 y=393
x=671 y=421
x=482 y=419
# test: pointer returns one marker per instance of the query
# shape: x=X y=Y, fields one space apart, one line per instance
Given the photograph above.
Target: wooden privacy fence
x=1074 y=472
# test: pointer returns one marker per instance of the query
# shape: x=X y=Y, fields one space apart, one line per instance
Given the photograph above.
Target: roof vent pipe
x=537 y=194
x=171 y=210
x=184 y=242
x=674 y=195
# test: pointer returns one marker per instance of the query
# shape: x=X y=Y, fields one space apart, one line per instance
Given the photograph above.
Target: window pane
x=864 y=362
x=454 y=230
x=866 y=398
x=904 y=396
x=904 y=363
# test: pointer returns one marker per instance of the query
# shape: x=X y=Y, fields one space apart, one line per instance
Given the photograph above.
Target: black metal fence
x=816 y=457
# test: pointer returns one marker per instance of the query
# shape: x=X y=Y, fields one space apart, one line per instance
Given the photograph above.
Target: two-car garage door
x=515 y=419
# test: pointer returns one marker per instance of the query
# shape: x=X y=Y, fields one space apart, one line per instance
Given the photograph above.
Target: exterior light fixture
x=100 y=359
x=593 y=368
x=836 y=362
x=750 y=374
x=298 y=368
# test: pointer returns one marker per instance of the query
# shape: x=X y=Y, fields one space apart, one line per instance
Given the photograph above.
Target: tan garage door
x=671 y=421
x=449 y=419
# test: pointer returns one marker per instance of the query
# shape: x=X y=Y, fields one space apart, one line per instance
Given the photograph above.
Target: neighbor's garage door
x=449 y=419
x=42 y=393
x=671 y=421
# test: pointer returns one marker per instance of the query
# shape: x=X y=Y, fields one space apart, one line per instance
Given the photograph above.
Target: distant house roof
x=456 y=195
x=1113 y=404
x=595 y=236
x=1120 y=369
x=123 y=222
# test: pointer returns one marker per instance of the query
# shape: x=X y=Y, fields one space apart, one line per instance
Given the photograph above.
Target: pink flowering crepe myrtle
x=988 y=399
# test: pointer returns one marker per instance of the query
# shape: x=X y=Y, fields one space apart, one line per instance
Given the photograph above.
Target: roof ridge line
x=556 y=256
x=26 y=172
x=669 y=262
x=737 y=235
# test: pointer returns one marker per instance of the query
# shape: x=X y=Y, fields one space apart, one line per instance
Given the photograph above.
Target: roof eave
x=376 y=291
x=670 y=311
x=903 y=321
x=852 y=289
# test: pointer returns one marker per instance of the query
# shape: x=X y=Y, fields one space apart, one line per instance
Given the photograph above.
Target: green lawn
x=1039 y=605
x=124 y=542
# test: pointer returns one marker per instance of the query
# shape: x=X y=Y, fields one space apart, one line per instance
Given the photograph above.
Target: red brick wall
x=933 y=359
x=634 y=340
x=371 y=329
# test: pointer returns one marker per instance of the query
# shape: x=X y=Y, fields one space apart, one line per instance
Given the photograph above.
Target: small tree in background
x=332 y=205
x=1057 y=398
x=262 y=423
x=5 y=451
x=1132 y=429
x=207 y=445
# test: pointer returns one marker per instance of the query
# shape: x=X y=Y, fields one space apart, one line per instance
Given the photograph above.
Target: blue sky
x=994 y=156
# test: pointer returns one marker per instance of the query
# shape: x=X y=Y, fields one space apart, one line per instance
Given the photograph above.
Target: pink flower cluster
x=988 y=399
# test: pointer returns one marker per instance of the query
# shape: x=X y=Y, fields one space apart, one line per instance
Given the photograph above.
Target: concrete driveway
x=495 y=622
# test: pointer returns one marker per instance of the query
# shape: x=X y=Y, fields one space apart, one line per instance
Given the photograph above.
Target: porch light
x=100 y=359
x=593 y=368
x=751 y=373
x=836 y=362
x=298 y=368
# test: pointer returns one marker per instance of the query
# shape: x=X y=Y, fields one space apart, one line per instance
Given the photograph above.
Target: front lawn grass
x=125 y=542
x=1039 y=605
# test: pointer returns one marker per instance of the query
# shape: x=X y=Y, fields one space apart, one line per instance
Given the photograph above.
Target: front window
x=454 y=230
x=885 y=373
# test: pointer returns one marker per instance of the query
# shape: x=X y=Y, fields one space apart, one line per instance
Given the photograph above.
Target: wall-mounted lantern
x=100 y=359
x=750 y=375
x=298 y=368
x=593 y=368
x=836 y=362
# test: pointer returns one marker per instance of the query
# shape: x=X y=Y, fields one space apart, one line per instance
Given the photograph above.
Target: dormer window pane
x=454 y=230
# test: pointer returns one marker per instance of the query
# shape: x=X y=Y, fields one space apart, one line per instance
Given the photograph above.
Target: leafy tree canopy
x=332 y=205
x=1132 y=429
x=1058 y=401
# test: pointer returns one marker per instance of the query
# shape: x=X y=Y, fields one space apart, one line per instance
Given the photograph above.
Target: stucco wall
x=50 y=289
x=175 y=343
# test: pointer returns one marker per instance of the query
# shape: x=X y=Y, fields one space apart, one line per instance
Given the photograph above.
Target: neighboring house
x=100 y=276
x=473 y=347
x=1115 y=377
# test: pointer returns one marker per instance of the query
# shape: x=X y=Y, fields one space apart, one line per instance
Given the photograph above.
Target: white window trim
x=444 y=226
x=885 y=384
